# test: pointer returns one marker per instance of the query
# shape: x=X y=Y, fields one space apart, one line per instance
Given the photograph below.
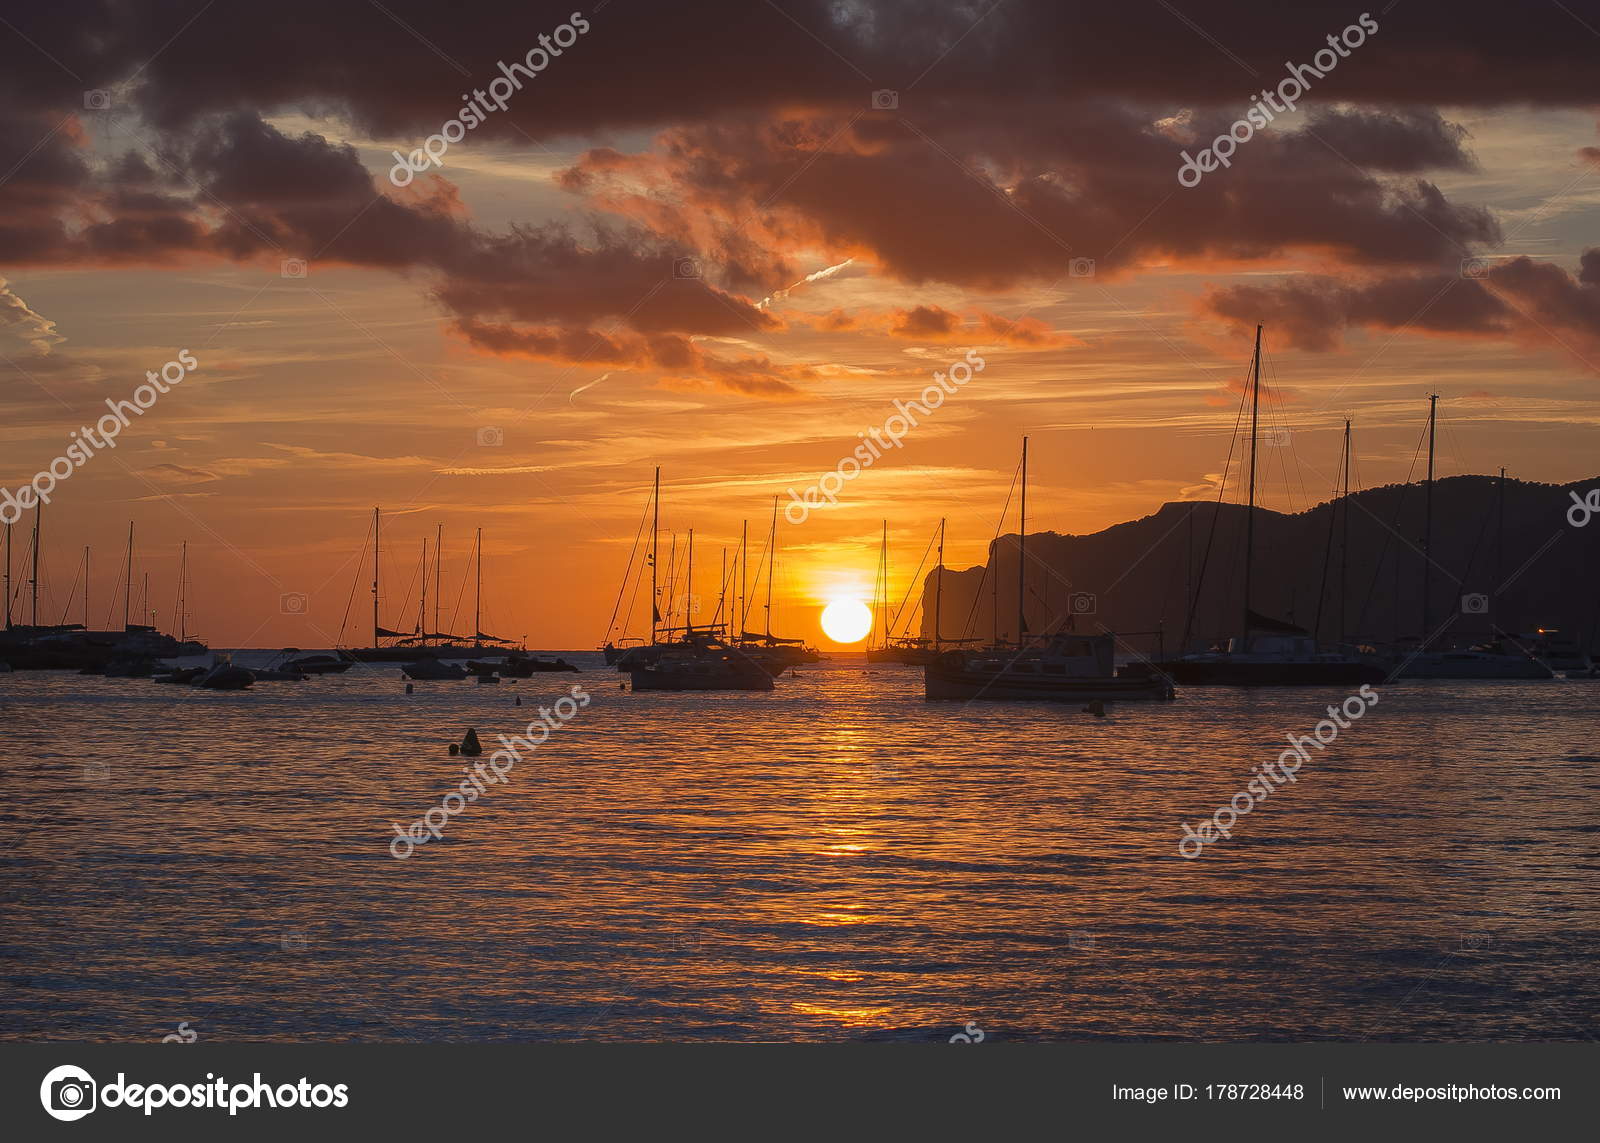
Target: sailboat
x=774 y=649
x=389 y=646
x=1495 y=658
x=1266 y=651
x=908 y=650
x=1059 y=666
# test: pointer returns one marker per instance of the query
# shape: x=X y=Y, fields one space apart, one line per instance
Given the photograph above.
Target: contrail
x=572 y=397
x=817 y=277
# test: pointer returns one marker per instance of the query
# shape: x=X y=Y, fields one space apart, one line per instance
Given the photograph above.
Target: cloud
x=19 y=321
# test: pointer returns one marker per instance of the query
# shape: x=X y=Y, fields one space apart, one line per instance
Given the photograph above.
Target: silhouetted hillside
x=1138 y=576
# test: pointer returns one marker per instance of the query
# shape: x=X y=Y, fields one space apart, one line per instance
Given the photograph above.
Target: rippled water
x=838 y=859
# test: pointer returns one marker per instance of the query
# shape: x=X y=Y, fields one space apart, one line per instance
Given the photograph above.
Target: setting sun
x=846 y=620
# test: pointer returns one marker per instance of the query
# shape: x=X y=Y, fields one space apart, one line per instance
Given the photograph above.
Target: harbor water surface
x=836 y=860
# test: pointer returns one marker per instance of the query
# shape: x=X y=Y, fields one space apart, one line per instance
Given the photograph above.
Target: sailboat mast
x=1022 y=549
x=688 y=591
x=744 y=567
x=883 y=584
x=375 y=550
x=1250 y=510
x=8 y=577
x=86 y=587
x=655 y=543
x=1499 y=544
x=1427 y=526
x=772 y=563
x=438 y=570
x=38 y=510
x=1344 y=542
x=144 y=601
x=477 y=604
x=938 y=586
x=422 y=604
x=183 y=601
x=127 y=595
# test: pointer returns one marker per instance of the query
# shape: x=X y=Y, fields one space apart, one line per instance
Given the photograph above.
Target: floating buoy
x=455 y=749
x=410 y=689
x=470 y=746
x=1096 y=707
x=519 y=700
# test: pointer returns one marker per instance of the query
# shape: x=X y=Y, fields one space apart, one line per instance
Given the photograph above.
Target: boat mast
x=1344 y=542
x=744 y=567
x=8 y=577
x=1250 y=510
x=655 y=543
x=144 y=602
x=772 y=563
x=38 y=510
x=86 y=587
x=438 y=559
x=688 y=591
x=883 y=584
x=477 y=605
x=422 y=605
x=1427 y=526
x=127 y=595
x=722 y=590
x=938 y=586
x=1022 y=549
x=183 y=602
x=1499 y=544
x=374 y=577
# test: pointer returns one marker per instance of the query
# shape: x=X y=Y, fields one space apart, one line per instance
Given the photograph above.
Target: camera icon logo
x=96 y=100
x=293 y=603
x=1475 y=604
x=96 y=771
x=294 y=268
x=67 y=1093
x=885 y=100
x=1083 y=603
x=491 y=437
x=1275 y=438
x=293 y=941
x=1081 y=268
x=686 y=268
x=1475 y=268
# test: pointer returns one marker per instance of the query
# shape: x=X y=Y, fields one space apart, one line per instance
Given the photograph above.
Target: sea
x=837 y=860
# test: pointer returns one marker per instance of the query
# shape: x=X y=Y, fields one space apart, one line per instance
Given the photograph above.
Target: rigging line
x=355 y=583
x=1388 y=538
x=71 y=594
x=615 y=607
x=1211 y=534
x=894 y=618
x=994 y=555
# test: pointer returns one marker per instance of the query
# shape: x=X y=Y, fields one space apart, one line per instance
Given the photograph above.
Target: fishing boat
x=1266 y=651
x=1059 y=666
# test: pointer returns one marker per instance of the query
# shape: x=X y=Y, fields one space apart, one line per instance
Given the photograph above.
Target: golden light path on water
x=838 y=859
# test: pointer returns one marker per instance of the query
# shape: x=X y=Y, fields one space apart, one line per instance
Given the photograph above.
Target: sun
x=847 y=620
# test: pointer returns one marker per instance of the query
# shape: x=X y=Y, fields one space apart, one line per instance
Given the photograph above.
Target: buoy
x=519 y=700
x=1096 y=707
x=410 y=689
x=470 y=746
x=455 y=748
